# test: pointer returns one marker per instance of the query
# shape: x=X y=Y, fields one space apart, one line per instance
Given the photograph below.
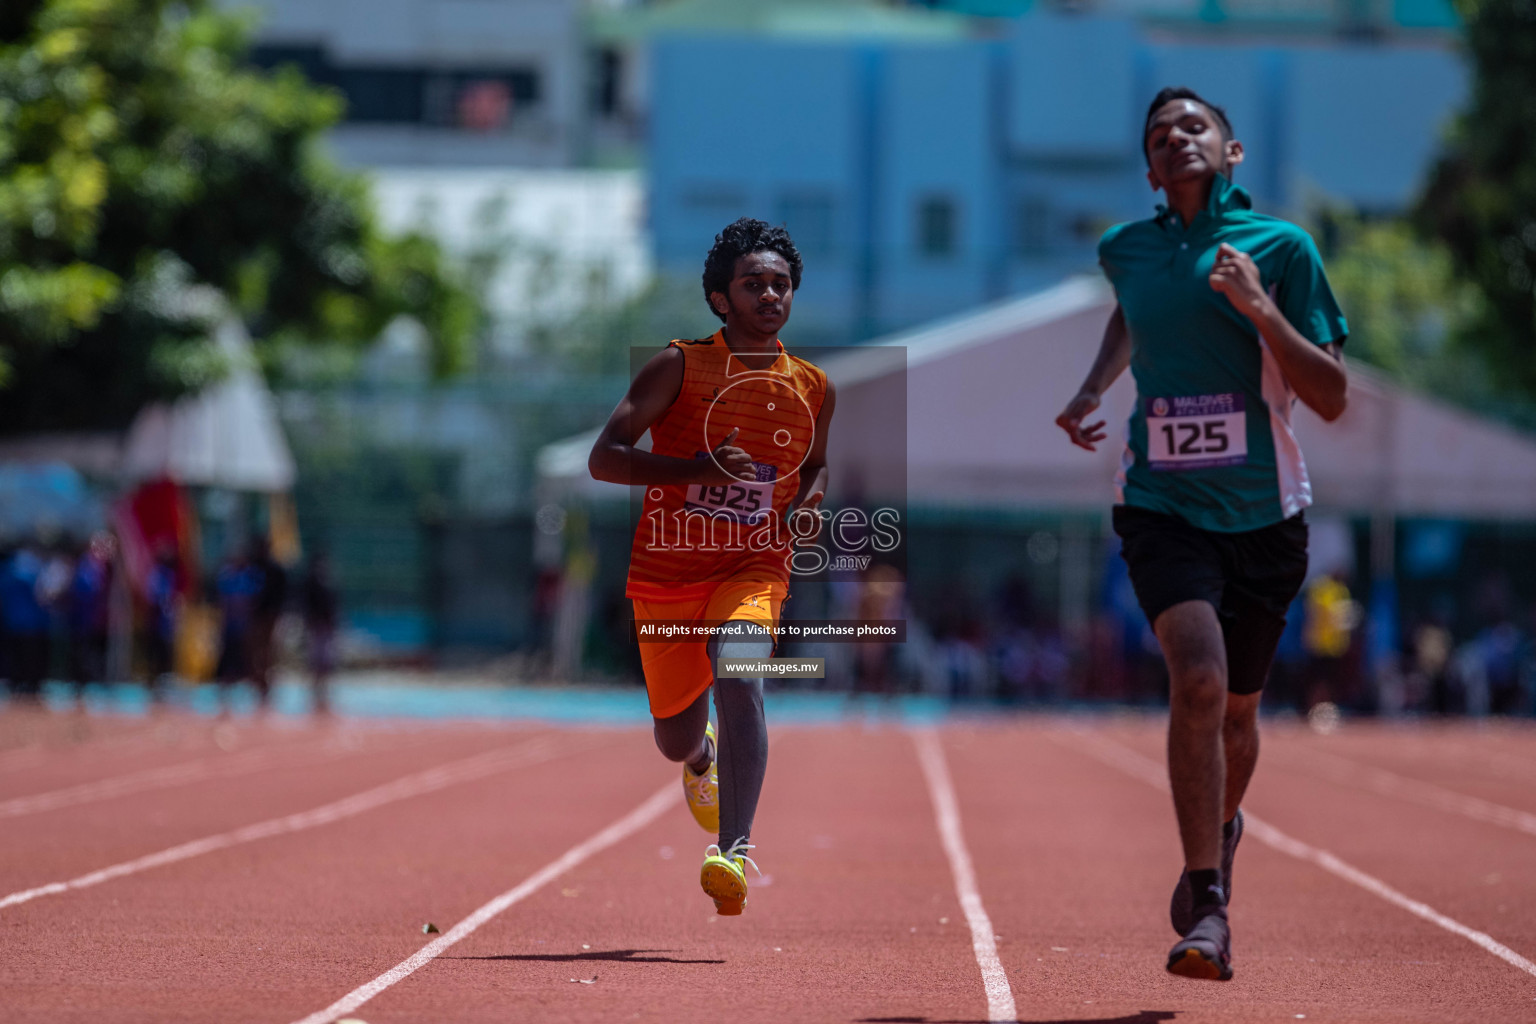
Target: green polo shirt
x=1210 y=439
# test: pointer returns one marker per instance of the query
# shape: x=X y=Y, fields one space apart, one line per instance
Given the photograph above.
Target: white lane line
x=1344 y=771
x=199 y=770
x=1328 y=862
x=131 y=743
x=1149 y=771
x=135 y=782
x=429 y=781
x=632 y=822
x=946 y=811
x=117 y=743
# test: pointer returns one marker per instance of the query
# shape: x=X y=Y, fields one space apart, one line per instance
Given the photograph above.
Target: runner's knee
x=1199 y=686
x=680 y=736
x=746 y=640
x=735 y=695
x=675 y=744
x=1242 y=713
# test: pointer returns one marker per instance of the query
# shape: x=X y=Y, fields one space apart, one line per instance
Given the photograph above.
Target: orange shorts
x=677 y=671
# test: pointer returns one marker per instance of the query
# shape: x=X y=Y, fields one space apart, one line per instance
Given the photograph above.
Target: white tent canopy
x=224 y=436
x=982 y=392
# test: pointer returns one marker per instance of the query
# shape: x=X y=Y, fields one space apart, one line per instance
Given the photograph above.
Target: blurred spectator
x=1032 y=665
x=963 y=667
x=1428 y=683
x=960 y=664
x=53 y=593
x=1014 y=655
x=1127 y=640
x=1331 y=617
x=1108 y=666
x=1469 y=677
x=5 y=641
x=1490 y=670
x=236 y=585
x=270 y=596
x=163 y=591
x=1012 y=643
x=1504 y=648
x=1527 y=670
x=321 y=618
x=881 y=597
x=546 y=599
x=88 y=612
x=26 y=622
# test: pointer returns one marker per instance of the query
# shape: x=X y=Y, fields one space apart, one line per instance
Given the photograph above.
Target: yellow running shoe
x=703 y=791
x=724 y=877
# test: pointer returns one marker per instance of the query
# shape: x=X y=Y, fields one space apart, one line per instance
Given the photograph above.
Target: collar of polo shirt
x=1224 y=198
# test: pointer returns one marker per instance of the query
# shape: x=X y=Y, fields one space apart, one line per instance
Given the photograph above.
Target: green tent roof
x=814 y=19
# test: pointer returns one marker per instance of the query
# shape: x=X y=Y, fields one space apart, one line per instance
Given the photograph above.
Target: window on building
x=482 y=99
x=809 y=216
x=479 y=99
x=938 y=226
x=312 y=61
x=607 y=82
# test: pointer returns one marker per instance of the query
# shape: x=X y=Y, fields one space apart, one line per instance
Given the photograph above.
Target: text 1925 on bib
x=745 y=501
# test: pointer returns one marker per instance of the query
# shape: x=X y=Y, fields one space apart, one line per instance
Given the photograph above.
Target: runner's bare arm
x=616 y=460
x=1114 y=356
x=1315 y=373
x=813 y=471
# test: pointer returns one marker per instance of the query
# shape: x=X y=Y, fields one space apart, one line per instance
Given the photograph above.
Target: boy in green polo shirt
x=1225 y=318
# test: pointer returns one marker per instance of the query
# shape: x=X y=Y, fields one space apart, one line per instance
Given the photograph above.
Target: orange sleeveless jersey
x=692 y=538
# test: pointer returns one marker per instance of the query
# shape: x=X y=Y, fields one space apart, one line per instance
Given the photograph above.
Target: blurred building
x=451 y=83
x=928 y=156
x=926 y=175
x=554 y=241
x=1363 y=18
x=476 y=120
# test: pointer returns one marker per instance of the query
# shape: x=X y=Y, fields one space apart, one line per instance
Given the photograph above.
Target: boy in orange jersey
x=735 y=475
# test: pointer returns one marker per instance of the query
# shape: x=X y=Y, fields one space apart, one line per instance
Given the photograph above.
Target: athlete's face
x=1185 y=143
x=760 y=295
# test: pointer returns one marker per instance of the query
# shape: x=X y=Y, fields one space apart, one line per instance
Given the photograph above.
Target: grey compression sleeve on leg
x=742 y=740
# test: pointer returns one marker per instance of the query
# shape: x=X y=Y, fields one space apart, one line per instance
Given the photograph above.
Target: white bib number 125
x=1196 y=432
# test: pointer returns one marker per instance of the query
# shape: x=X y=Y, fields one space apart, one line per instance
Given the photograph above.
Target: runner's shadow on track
x=1144 y=1017
x=623 y=956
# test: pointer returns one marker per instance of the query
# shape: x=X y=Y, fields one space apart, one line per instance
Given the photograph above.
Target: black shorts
x=1249 y=578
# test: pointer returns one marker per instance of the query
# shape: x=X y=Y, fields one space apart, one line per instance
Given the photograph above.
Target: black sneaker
x=1181 y=909
x=1206 y=952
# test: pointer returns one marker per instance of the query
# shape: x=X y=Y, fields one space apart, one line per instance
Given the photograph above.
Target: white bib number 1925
x=746 y=501
x=1196 y=432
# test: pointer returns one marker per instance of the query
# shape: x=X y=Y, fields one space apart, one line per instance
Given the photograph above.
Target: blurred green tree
x=140 y=158
x=1408 y=311
x=599 y=338
x=1481 y=199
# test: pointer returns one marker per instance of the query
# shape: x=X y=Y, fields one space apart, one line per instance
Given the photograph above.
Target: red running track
x=1395 y=885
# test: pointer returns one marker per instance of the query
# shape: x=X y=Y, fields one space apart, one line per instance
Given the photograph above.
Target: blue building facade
x=924 y=178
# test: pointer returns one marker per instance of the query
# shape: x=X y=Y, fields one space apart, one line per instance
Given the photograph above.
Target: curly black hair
x=740 y=238
x=1178 y=92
